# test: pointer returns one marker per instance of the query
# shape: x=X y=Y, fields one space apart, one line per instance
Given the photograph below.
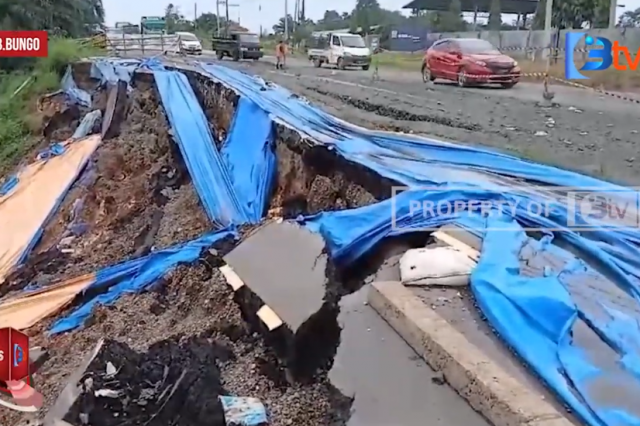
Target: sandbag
x=443 y=266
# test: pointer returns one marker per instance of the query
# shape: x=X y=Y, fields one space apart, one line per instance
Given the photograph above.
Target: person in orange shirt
x=281 y=54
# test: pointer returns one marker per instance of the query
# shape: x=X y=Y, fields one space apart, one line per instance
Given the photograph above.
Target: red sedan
x=469 y=61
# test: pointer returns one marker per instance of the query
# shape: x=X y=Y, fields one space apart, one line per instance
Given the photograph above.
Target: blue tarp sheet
x=134 y=276
x=538 y=317
x=542 y=318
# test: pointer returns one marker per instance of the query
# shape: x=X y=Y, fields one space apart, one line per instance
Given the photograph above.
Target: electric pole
x=286 y=20
x=260 y=14
x=613 y=7
x=195 y=16
x=227 y=5
x=218 y=18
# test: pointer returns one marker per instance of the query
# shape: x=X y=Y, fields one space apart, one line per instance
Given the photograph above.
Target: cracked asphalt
x=582 y=130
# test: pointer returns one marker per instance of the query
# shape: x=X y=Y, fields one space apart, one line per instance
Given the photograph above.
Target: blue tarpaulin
x=559 y=323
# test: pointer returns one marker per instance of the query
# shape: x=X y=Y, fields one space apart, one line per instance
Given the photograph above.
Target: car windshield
x=477 y=46
x=352 y=41
x=250 y=38
x=188 y=37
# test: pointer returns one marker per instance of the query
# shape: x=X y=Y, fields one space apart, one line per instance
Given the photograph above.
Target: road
x=583 y=131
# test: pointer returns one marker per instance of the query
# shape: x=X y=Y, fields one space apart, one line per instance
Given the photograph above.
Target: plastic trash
x=240 y=411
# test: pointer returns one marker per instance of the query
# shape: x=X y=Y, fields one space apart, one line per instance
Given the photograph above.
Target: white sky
x=248 y=12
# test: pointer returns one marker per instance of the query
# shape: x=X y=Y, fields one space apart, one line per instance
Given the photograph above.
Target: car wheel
x=462 y=78
x=219 y=55
x=365 y=68
x=317 y=63
x=341 y=64
x=508 y=85
x=427 y=77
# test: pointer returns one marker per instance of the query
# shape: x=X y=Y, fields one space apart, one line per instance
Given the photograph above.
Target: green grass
x=403 y=61
x=17 y=110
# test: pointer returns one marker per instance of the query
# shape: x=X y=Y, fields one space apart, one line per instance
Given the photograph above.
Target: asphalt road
x=583 y=130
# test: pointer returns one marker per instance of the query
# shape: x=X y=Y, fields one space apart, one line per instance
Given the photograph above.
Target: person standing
x=281 y=54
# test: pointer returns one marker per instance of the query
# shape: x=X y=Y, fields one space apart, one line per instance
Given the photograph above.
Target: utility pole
x=286 y=20
x=217 y=18
x=613 y=7
x=195 y=16
x=303 y=15
x=227 y=5
x=260 y=14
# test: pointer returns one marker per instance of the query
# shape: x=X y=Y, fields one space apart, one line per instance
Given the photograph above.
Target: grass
x=610 y=78
x=17 y=110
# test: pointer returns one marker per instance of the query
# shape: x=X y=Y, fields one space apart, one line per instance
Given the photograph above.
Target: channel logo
x=14 y=356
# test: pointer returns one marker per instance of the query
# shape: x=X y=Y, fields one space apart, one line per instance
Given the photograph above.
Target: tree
x=630 y=19
x=73 y=18
x=366 y=14
x=450 y=20
x=574 y=14
x=495 y=15
x=279 y=27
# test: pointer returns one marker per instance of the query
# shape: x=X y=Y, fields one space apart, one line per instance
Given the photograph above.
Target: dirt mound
x=190 y=321
x=134 y=195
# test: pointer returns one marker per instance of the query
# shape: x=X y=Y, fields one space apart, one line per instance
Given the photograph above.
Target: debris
x=541 y=133
x=240 y=411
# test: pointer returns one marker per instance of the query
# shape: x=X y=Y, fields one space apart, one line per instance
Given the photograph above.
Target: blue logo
x=602 y=56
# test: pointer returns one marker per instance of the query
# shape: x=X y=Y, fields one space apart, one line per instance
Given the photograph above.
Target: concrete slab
x=391 y=384
x=283 y=264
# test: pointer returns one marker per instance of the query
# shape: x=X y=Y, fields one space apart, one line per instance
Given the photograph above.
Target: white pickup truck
x=342 y=51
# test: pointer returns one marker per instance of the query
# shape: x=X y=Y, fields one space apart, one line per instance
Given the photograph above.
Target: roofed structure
x=507 y=6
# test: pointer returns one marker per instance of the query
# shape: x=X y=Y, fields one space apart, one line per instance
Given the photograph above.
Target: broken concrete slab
x=283 y=264
x=391 y=385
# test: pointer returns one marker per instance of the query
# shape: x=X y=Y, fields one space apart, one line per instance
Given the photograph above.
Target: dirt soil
x=218 y=103
x=134 y=195
x=581 y=130
x=190 y=321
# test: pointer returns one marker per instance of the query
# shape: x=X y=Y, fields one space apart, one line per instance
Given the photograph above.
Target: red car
x=469 y=61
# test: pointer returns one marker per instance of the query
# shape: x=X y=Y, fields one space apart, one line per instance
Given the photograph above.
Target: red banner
x=24 y=44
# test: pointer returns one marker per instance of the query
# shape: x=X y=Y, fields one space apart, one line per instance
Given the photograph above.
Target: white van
x=341 y=50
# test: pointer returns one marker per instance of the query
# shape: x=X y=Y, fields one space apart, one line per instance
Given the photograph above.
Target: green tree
x=574 y=14
x=73 y=18
x=366 y=14
x=495 y=15
x=450 y=20
x=279 y=27
x=630 y=19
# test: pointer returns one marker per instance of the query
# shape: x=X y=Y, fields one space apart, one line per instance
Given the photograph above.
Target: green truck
x=238 y=45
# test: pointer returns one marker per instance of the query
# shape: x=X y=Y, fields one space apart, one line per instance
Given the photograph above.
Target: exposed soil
x=134 y=195
x=312 y=178
x=191 y=322
x=218 y=103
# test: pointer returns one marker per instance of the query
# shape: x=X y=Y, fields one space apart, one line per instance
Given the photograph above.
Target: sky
x=248 y=11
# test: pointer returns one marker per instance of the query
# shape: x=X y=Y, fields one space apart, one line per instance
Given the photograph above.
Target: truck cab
x=341 y=50
x=238 y=45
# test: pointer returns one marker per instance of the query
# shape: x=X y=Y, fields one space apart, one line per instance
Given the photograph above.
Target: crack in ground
x=398 y=114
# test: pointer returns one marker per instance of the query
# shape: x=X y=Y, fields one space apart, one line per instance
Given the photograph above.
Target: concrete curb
x=485 y=385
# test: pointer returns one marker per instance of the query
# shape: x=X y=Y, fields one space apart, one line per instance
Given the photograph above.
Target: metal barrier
x=121 y=44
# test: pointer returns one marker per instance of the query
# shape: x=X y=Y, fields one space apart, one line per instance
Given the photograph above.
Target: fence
x=528 y=42
x=121 y=44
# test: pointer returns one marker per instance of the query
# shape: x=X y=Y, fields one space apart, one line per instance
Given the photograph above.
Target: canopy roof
x=507 y=6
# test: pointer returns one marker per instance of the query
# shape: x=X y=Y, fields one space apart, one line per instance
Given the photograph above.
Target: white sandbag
x=443 y=266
